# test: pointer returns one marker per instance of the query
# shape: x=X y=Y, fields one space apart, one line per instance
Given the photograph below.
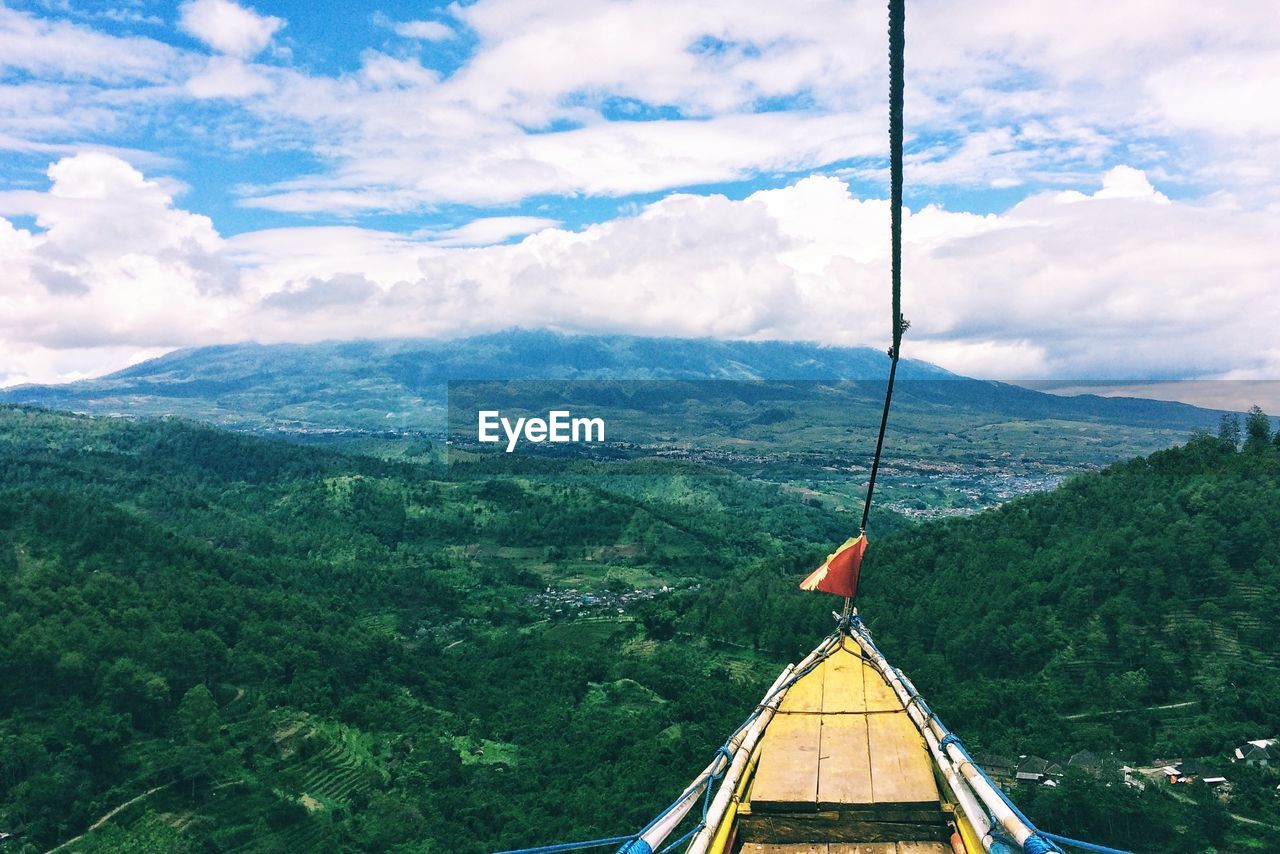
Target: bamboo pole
x=718 y=811
x=719 y=805
x=934 y=734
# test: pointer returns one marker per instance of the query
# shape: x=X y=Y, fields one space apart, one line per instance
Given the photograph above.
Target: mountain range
x=401 y=383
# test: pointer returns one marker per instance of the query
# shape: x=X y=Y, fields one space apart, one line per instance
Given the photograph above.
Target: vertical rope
x=897 y=43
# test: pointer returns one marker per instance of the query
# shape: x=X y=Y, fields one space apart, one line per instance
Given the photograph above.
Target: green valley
x=219 y=642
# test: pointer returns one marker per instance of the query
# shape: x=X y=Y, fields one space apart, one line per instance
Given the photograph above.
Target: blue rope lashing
x=1001 y=842
x=1083 y=846
x=571 y=846
x=636 y=846
x=1037 y=844
x=683 y=839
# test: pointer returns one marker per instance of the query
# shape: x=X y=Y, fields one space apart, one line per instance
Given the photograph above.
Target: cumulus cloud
x=228 y=27
x=1113 y=281
x=112 y=264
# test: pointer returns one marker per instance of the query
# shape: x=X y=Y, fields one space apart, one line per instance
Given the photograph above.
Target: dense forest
x=255 y=646
x=1152 y=582
x=307 y=649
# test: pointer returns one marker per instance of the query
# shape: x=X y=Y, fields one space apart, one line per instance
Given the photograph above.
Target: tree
x=198 y=715
x=1257 y=428
x=204 y=754
x=1229 y=430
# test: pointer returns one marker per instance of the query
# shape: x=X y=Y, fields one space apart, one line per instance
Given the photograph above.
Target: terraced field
x=340 y=762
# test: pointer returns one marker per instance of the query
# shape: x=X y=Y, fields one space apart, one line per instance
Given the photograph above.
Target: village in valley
x=1218 y=774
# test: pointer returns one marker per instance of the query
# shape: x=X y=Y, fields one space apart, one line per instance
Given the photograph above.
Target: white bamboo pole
x=742 y=753
x=976 y=781
x=968 y=803
x=702 y=840
x=656 y=833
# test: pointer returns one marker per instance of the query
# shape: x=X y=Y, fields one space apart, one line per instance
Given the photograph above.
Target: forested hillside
x=1074 y=619
x=1154 y=581
x=310 y=650
x=263 y=647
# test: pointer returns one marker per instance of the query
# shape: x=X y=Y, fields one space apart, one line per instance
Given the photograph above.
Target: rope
x=897 y=44
x=571 y=846
x=1083 y=846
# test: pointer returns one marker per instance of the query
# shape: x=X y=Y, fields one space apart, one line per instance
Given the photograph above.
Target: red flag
x=839 y=575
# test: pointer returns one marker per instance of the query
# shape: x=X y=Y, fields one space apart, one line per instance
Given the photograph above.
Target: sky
x=1092 y=189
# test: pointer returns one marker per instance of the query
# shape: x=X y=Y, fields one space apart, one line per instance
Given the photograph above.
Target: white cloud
x=64 y=51
x=1000 y=94
x=112 y=264
x=228 y=27
x=433 y=31
x=604 y=158
x=489 y=230
x=228 y=77
x=1118 y=282
x=1104 y=273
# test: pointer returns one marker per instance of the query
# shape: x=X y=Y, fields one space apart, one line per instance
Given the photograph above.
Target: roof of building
x=994 y=761
x=1197 y=768
x=1032 y=765
x=1084 y=759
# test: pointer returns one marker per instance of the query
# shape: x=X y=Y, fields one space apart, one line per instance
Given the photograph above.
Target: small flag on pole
x=839 y=574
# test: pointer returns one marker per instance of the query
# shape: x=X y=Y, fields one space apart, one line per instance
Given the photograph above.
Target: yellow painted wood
x=842 y=689
x=806 y=694
x=788 y=770
x=901 y=770
x=845 y=848
x=844 y=765
x=721 y=839
x=747 y=774
x=972 y=842
x=842 y=740
x=879 y=696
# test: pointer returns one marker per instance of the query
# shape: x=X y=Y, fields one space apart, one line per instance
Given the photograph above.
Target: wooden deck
x=846 y=848
x=842 y=762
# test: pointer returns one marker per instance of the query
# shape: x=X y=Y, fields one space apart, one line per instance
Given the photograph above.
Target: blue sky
x=170 y=170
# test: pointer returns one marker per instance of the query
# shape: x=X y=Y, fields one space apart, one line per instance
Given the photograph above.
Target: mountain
x=798 y=414
x=401 y=384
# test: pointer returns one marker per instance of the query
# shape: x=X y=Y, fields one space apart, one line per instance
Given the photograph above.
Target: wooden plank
x=921 y=848
x=831 y=827
x=806 y=694
x=786 y=848
x=787 y=776
x=879 y=696
x=844 y=762
x=842 y=689
x=901 y=770
x=863 y=848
